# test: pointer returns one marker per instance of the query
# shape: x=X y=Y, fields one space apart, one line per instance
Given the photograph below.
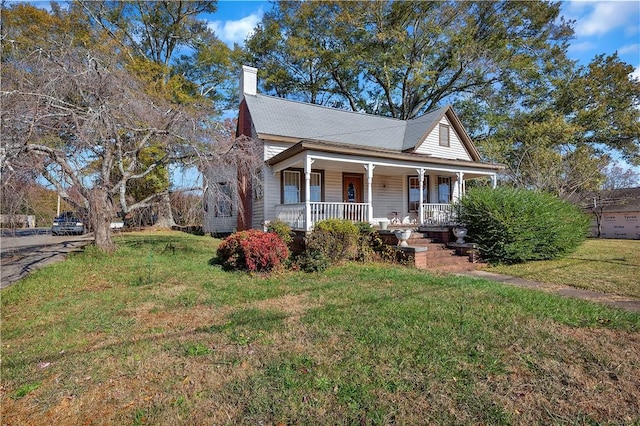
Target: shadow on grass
x=615 y=261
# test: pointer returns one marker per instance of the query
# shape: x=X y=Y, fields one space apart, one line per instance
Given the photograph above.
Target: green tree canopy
x=502 y=64
x=404 y=58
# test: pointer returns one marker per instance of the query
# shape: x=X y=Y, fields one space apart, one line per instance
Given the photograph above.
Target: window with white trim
x=223 y=206
x=414 y=192
x=315 y=187
x=293 y=186
x=444 y=189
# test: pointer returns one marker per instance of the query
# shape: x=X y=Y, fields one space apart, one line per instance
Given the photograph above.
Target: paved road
x=26 y=250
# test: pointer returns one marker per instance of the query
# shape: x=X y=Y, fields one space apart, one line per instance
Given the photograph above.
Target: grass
x=607 y=266
x=155 y=334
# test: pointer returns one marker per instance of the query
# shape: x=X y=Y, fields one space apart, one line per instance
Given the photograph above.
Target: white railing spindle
x=438 y=214
x=293 y=214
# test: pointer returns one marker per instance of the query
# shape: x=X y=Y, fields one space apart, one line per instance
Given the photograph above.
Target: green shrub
x=312 y=261
x=335 y=238
x=281 y=228
x=515 y=225
x=252 y=250
x=364 y=228
x=367 y=242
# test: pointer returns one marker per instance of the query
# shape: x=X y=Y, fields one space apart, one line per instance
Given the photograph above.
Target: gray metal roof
x=609 y=200
x=418 y=128
x=299 y=120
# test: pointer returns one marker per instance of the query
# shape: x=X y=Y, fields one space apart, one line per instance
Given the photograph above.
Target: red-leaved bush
x=252 y=250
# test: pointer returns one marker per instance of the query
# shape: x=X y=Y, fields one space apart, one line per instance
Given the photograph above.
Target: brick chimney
x=248 y=81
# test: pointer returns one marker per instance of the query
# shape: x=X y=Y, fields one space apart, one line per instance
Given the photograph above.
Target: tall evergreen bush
x=515 y=225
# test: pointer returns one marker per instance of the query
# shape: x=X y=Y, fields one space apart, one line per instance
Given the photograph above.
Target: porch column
x=308 y=161
x=421 y=205
x=460 y=184
x=369 y=168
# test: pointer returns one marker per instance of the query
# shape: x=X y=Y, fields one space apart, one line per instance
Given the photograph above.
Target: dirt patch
x=577 y=374
x=293 y=304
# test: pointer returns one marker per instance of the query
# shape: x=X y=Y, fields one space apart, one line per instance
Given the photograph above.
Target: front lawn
x=608 y=266
x=155 y=334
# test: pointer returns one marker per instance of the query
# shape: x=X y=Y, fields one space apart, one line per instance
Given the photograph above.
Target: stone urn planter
x=402 y=235
x=460 y=232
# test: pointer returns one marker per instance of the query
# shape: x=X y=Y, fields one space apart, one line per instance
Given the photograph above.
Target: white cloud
x=582 y=46
x=636 y=73
x=629 y=48
x=631 y=30
x=605 y=17
x=236 y=31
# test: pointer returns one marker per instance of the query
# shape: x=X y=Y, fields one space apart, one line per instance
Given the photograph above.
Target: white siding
x=274 y=148
x=218 y=225
x=265 y=209
x=333 y=186
x=258 y=203
x=271 y=194
x=431 y=144
x=389 y=195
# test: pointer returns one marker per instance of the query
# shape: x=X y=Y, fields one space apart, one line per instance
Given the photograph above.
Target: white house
x=322 y=162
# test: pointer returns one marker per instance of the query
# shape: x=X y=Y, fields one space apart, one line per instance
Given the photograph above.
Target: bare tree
x=78 y=116
x=617 y=177
x=187 y=58
x=77 y=112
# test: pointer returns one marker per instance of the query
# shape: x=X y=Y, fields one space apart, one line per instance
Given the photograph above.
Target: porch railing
x=438 y=215
x=293 y=214
x=356 y=212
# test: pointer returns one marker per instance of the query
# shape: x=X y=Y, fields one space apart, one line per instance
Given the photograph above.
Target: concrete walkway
x=623 y=302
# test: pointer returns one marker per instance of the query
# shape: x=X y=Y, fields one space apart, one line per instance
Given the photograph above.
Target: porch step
x=427 y=253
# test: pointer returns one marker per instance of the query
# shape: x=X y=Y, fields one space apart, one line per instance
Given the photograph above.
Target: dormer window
x=444 y=134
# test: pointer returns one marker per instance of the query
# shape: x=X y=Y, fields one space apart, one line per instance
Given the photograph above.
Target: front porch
x=313 y=181
x=303 y=216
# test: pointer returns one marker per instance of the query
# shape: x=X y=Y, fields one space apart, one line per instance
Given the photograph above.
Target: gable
x=431 y=143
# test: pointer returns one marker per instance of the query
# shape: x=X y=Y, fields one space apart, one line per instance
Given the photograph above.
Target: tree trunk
x=599 y=224
x=165 y=216
x=100 y=214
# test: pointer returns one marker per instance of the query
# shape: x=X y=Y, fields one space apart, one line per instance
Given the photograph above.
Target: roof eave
x=321 y=146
